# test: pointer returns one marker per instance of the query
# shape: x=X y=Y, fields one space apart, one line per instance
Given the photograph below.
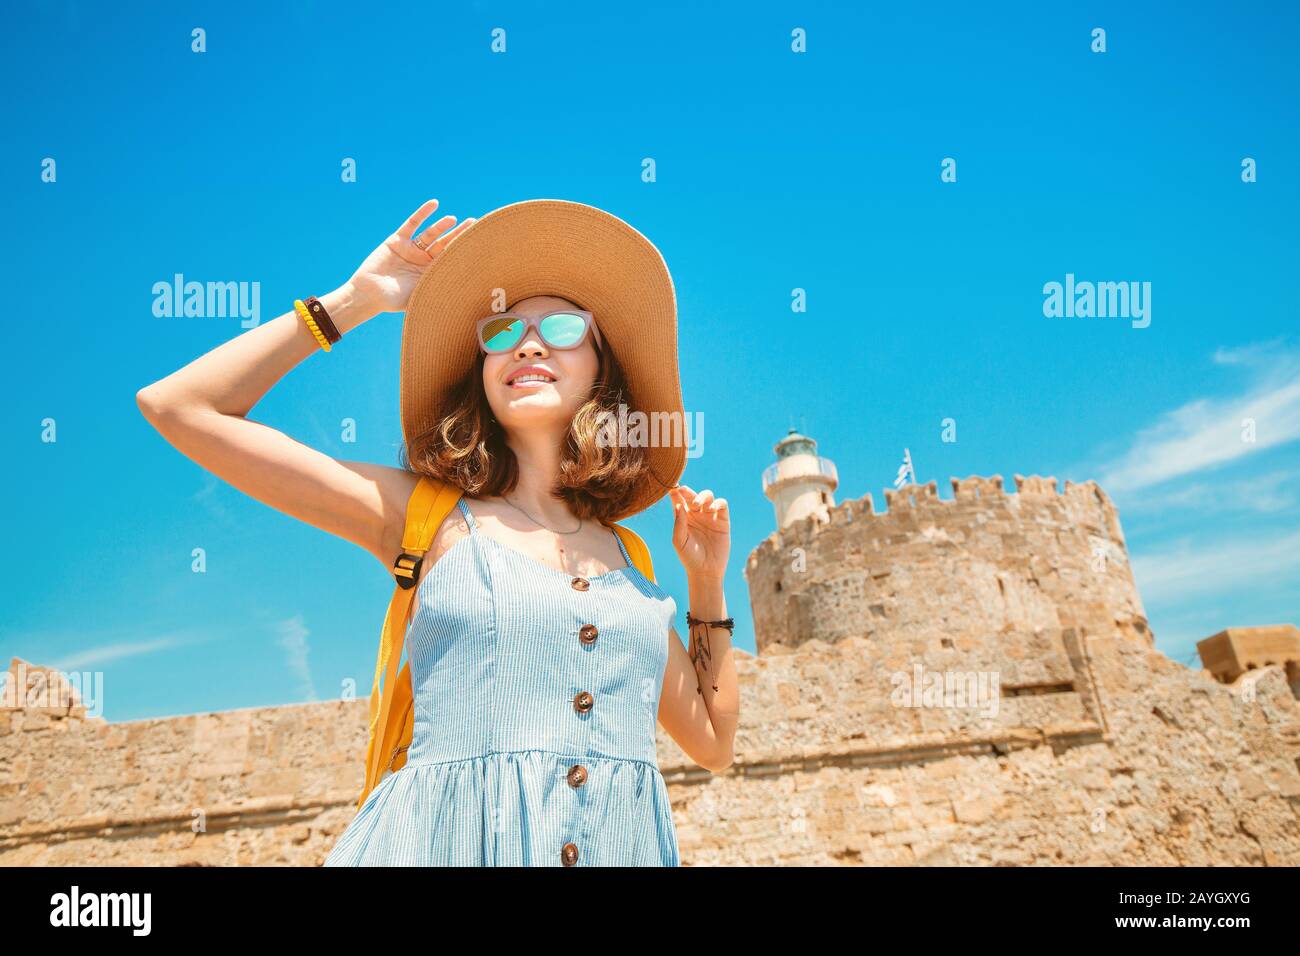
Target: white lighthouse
x=800 y=482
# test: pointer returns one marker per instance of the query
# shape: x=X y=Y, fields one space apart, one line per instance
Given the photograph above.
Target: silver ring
x=420 y=243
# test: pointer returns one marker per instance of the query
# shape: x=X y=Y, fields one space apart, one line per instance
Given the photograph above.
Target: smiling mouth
x=531 y=380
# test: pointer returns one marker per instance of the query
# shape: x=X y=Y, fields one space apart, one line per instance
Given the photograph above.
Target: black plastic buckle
x=406 y=569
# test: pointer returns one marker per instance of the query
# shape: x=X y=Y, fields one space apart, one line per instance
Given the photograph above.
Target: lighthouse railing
x=825 y=467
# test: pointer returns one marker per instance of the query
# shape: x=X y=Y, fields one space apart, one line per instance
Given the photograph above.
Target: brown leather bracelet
x=322 y=319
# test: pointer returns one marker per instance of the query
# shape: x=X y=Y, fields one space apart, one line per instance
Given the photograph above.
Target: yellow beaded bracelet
x=301 y=308
x=311 y=324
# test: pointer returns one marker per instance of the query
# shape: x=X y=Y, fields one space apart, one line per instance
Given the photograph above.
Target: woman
x=539 y=656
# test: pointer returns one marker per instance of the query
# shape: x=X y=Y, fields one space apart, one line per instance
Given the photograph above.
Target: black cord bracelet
x=729 y=622
x=700 y=648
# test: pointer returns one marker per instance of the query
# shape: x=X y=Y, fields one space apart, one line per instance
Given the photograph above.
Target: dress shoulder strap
x=469 y=516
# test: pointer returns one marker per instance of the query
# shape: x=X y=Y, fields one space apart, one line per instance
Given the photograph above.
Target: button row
x=577 y=775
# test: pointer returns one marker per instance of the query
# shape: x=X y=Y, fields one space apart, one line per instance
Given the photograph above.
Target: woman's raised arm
x=202 y=408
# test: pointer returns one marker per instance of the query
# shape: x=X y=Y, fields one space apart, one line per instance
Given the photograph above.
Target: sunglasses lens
x=503 y=334
x=562 y=329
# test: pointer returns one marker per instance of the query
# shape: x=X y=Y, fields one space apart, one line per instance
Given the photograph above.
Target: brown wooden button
x=587 y=633
x=582 y=703
x=580 y=584
x=569 y=854
x=577 y=775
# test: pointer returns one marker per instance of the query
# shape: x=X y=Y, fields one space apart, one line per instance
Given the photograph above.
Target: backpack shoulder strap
x=430 y=503
x=636 y=550
x=428 y=506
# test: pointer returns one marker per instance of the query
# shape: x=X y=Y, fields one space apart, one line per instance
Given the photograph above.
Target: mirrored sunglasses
x=561 y=329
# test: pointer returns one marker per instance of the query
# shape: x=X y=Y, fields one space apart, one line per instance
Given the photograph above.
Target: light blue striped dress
x=533 y=738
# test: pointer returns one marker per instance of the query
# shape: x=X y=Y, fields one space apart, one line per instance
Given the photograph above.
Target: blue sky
x=775 y=171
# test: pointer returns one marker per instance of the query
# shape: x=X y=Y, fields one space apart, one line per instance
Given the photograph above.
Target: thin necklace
x=564 y=557
x=538 y=523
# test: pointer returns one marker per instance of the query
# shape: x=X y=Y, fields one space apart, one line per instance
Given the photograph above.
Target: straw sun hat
x=561 y=248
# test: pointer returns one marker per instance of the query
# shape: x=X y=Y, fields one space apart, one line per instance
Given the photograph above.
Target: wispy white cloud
x=1268 y=493
x=292 y=638
x=1209 y=432
x=1195 y=570
x=1255 y=353
x=107 y=653
x=207 y=496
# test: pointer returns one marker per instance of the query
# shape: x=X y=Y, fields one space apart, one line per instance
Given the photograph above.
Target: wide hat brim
x=561 y=248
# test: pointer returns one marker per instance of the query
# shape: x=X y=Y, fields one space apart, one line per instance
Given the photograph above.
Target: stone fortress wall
x=951 y=682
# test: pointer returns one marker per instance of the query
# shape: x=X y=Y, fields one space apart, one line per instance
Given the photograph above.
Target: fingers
x=686 y=499
x=407 y=229
x=429 y=237
x=694 y=501
x=434 y=247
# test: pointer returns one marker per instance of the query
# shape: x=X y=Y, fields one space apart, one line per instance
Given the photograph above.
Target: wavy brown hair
x=466 y=447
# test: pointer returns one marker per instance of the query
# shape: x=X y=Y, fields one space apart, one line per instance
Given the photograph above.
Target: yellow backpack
x=391 y=716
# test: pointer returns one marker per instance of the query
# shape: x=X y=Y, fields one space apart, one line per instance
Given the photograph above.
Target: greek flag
x=905 y=471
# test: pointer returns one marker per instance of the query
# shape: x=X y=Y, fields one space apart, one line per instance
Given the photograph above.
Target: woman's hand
x=385 y=281
x=701 y=533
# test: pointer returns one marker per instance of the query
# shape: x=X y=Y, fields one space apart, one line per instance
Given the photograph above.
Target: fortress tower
x=799 y=483
x=965 y=572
